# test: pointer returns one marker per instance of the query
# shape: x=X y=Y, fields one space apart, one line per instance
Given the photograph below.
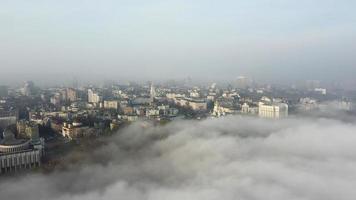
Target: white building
x=152 y=92
x=16 y=154
x=194 y=94
x=174 y=96
x=320 y=90
x=194 y=104
x=111 y=105
x=272 y=110
x=245 y=108
x=93 y=96
x=222 y=109
x=198 y=104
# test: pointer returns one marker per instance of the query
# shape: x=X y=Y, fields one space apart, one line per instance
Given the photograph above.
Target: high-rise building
x=71 y=94
x=152 y=92
x=93 y=96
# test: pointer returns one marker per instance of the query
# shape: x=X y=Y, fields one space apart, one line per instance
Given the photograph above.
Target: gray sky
x=264 y=39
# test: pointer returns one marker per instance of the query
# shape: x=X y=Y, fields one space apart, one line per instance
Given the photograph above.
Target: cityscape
x=168 y=100
x=40 y=124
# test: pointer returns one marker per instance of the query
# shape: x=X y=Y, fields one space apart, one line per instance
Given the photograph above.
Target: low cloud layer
x=228 y=158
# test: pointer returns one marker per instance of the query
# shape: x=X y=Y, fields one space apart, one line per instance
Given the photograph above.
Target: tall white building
x=152 y=92
x=272 y=110
x=93 y=96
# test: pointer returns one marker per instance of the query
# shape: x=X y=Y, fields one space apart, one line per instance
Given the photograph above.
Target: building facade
x=93 y=96
x=17 y=154
x=272 y=110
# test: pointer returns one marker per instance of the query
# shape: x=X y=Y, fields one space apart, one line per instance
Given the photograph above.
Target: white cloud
x=229 y=158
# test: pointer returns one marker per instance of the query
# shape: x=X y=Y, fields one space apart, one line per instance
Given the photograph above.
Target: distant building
x=71 y=94
x=320 y=90
x=173 y=96
x=272 y=110
x=56 y=99
x=248 y=109
x=113 y=104
x=194 y=104
x=194 y=94
x=152 y=112
x=245 y=108
x=28 y=130
x=94 y=97
x=127 y=110
x=345 y=105
x=77 y=130
x=17 y=154
x=8 y=117
x=28 y=88
x=243 y=82
x=223 y=108
x=152 y=92
x=308 y=104
x=142 y=101
x=198 y=105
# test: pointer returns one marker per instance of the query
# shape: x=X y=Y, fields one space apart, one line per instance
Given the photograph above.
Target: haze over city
x=177 y=99
x=218 y=40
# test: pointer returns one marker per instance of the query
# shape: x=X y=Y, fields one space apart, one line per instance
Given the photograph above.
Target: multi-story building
x=8 y=117
x=28 y=130
x=77 y=130
x=71 y=94
x=111 y=104
x=152 y=93
x=16 y=154
x=94 y=97
x=249 y=109
x=272 y=110
x=173 y=96
x=223 y=108
x=194 y=104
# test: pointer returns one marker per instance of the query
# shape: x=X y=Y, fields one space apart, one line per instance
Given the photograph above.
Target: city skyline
x=177 y=99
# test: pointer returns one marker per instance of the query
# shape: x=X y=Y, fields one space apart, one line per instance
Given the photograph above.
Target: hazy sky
x=178 y=38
